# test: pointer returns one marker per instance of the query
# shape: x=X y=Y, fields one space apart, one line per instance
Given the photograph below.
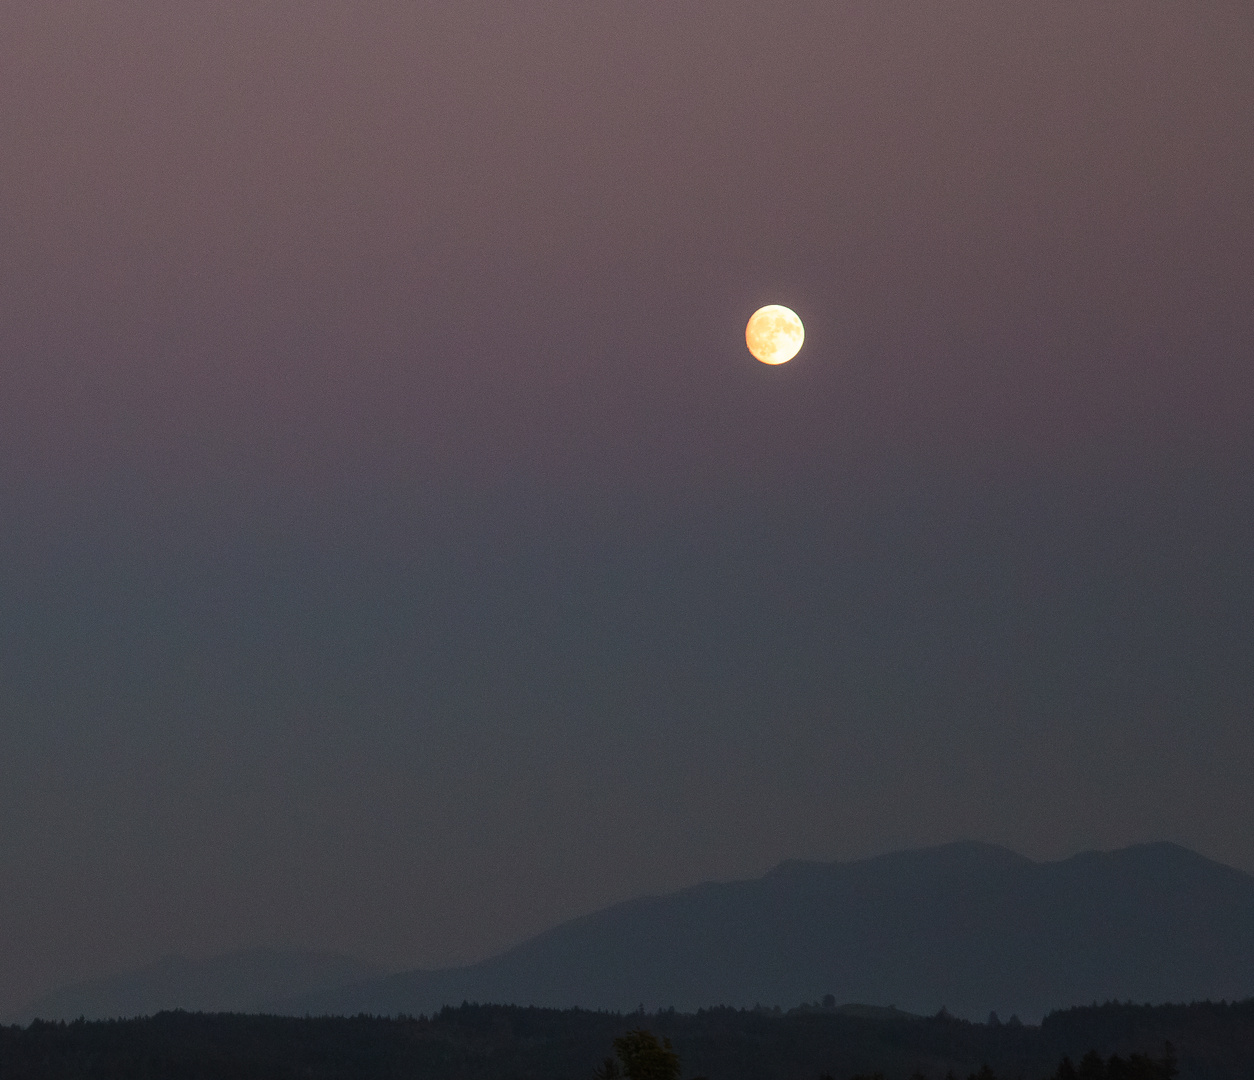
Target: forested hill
x=486 y=1042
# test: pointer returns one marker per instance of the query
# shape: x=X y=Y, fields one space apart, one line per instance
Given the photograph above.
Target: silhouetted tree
x=1133 y=1067
x=644 y=1058
x=1139 y=1067
x=1092 y=1067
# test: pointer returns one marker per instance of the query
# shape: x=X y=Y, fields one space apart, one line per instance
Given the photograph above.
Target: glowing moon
x=774 y=334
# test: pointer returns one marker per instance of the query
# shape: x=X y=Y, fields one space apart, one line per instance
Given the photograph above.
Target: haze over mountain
x=254 y=980
x=968 y=926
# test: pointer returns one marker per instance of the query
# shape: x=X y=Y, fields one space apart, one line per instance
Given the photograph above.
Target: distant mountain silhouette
x=971 y=927
x=247 y=981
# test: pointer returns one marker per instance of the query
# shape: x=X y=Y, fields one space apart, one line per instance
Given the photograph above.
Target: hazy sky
x=400 y=552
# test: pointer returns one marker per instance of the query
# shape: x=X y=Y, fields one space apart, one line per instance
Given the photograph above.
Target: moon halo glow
x=774 y=334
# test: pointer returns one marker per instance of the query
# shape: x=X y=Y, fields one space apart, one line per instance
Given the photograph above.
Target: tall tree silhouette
x=643 y=1058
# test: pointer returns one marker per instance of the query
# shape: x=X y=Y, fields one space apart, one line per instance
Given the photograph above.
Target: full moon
x=774 y=334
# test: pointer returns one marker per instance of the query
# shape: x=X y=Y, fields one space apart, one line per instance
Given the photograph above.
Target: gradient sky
x=400 y=552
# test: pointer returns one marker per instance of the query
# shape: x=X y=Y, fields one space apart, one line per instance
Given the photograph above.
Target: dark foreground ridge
x=493 y=1042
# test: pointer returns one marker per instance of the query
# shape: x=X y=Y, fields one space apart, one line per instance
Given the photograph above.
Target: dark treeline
x=491 y=1042
x=1092 y=1067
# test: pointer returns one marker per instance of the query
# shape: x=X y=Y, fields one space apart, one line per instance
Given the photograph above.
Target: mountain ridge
x=968 y=926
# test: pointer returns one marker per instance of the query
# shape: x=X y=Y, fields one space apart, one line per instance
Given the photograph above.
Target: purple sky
x=399 y=551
